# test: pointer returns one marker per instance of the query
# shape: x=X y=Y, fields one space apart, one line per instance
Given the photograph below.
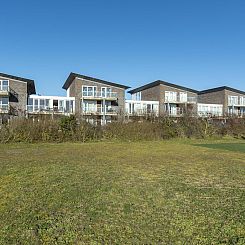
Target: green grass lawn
x=171 y=192
x=226 y=146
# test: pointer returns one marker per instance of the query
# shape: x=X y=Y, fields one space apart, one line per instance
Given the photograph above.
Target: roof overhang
x=72 y=76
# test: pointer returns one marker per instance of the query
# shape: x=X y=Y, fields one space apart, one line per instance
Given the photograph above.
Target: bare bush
x=69 y=129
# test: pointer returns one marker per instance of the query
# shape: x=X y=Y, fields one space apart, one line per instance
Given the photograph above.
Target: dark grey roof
x=158 y=82
x=72 y=76
x=220 y=89
x=30 y=83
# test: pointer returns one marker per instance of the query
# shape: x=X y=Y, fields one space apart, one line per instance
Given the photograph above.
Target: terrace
x=180 y=99
x=100 y=110
x=90 y=92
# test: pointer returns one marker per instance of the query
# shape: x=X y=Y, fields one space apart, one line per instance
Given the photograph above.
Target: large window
x=61 y=105
x=89 y=106
x=106 y=92
x=4 y=103
x=89 y=91
x=4 y=85
x=210 y=109
x=136 y=96
x=242 y=100
x=183 y=97
x=36 y=105
x=42 y=104
x=170 y=96
x=233 y=100
x=30 y=105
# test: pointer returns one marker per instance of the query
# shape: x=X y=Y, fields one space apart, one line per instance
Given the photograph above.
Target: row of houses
x=102 y=101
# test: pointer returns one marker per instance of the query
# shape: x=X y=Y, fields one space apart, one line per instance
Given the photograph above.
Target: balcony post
x=103 y=106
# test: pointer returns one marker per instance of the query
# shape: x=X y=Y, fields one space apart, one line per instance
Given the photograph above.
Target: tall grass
x=69 y=129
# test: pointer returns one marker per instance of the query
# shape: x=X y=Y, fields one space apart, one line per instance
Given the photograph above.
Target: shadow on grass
x=240 y=147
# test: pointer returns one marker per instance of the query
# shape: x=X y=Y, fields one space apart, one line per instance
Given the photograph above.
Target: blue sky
x=195 y=43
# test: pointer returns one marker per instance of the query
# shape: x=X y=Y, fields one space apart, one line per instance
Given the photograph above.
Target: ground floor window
x=89 y=106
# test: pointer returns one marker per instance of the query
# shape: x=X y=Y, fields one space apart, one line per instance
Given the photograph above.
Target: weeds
x=67 y=129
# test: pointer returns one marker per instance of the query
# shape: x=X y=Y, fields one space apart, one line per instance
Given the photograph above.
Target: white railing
x=236 y=112
x=45 y=109
x=181 y=100
x=4 y=108
x=192 y=99
x=142 y=112
x=100 y=110
x=4 y=90
x=99 y=94
x=236 y=103
x=175 y=112
x=209 y=113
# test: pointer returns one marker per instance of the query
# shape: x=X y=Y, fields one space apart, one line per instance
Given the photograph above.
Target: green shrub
x=69 y=129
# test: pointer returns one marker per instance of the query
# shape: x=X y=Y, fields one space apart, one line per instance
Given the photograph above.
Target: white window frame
x=94 y=91
x=107 y=93
x=136 y=96
x=232 y=100
x=242 y=100
x=170 y=96
x=183 y=97
x=89 y=106
x=1 y=85
x=1 y=102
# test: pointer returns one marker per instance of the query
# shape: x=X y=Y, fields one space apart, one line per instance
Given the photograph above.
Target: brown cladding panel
x=18 y=95
x=76 y=91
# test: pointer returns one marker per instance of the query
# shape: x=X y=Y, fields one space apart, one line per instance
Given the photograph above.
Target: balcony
x=175 y=112
x=99 y=110
x=48 y=110
x=4 y=108
x=100 y=95
x=142 y=112
x=179 y=100
x=4 y=90
x=237 y=103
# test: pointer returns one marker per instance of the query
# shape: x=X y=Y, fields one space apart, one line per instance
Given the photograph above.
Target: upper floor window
x=242 y=100
x=232 y=100
x=89 y=91
x=183 y=96
x=4 y=85
x=106 y=92
x=170 y=96
x=136 y=96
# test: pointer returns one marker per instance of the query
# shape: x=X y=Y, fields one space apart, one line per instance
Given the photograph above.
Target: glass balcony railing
x=180 y=100
x=4 y=108
x=4 y=90
x=101 y=110
x=142 y=111
x=45 y=109
x=236 y=102
x=99 y=94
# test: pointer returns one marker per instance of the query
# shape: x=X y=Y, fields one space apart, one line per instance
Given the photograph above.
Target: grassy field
x=172 y=192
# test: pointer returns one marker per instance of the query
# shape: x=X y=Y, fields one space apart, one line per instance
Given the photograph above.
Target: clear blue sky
x=195 y=43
